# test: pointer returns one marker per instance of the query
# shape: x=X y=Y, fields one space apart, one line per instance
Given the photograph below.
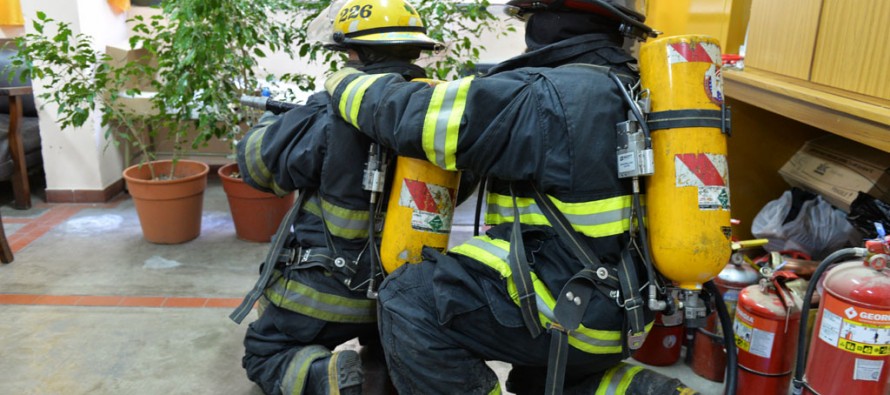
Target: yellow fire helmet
x=381 y=22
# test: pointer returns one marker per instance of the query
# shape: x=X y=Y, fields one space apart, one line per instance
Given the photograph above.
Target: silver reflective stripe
x=294 y=296
x=617 y=379
x=294 y=379
x=577 y=334
x=342 y=222
x=442 y=122
x=506 y=213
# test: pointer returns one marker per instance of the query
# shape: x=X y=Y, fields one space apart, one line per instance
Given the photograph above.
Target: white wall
x=78 y=159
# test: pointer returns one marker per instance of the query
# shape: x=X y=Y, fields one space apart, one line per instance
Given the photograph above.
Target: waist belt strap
x=685 y=119
x=269 y=264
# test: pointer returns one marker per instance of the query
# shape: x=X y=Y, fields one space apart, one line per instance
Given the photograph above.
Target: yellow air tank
x=687 y=198
x=419 y=212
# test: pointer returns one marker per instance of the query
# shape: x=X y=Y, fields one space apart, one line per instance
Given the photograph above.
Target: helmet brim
x=396 y=38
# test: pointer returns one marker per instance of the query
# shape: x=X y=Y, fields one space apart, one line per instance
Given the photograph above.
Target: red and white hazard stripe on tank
x=432 y=205
x=709 y=174
x=706 y=52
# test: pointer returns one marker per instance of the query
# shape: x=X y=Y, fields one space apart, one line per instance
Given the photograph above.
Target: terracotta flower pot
x=169 y=210
x=256 y=214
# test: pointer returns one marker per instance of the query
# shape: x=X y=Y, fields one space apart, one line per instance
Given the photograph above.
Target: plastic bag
x=804 y=222
x=867 y=211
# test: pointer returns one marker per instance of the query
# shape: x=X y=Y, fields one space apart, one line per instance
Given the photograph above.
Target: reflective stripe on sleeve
x=253 y=157
x=442 y=122
x=351 y=99
x=599 y=218
x=342 y=222
x=493 y=253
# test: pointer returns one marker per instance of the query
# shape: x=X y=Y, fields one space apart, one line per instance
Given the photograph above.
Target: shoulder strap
x=272 y=258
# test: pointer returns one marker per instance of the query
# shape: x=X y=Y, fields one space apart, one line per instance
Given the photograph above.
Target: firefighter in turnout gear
x=316 y=296
x=553 y=286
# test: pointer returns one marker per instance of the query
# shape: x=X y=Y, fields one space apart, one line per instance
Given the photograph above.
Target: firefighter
x=316 y=297
x=552 y=287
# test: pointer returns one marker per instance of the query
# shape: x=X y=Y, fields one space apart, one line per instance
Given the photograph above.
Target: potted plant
x=199 y=58
x=256 y=214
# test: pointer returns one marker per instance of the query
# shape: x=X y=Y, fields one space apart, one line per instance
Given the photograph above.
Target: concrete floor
x=89 y=307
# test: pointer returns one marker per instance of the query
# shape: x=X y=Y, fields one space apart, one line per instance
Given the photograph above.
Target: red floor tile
x=142 y=301
x=223 y=303
x=58 y=300
x=100 y=301
x=17 y=299
x=185 y=302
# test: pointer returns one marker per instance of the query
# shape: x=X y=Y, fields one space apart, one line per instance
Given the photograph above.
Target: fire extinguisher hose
x=728 y=339
x=800 y=363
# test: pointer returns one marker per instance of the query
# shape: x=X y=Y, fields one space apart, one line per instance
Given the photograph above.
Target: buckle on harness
x=635 y=340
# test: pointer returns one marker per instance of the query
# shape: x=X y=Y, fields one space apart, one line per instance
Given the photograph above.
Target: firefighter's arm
x=456 y=125
x=284 y=153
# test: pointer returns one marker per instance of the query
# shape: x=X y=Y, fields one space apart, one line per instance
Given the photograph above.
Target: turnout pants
x=436 y=339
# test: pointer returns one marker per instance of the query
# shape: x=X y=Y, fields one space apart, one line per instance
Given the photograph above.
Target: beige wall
x=78 y=159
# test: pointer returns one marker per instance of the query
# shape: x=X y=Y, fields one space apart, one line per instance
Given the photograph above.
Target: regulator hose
x=800 y=364
x=732 y=370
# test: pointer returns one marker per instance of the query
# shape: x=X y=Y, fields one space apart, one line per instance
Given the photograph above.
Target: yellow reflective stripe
x=294 y=296
x=599 y=218
x=351 y=98
x=294 y=379
x=342 y=222
x=253 y=158
x=441 y=124
x=493 y=253
x=617 y=379
x=496 y=390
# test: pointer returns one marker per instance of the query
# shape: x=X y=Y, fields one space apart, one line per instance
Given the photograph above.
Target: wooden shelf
x=857 y=117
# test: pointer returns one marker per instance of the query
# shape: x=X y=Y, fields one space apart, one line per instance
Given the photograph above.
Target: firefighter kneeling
x=318 y=275
x=553 y=286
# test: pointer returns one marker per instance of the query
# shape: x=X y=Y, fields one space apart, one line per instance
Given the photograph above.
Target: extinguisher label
x=855 y=329
x=432 y=205
x=709 y=174
x=754 y=336
x=868 y=369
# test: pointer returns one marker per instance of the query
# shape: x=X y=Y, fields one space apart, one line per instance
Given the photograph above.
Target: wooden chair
x=21 y=187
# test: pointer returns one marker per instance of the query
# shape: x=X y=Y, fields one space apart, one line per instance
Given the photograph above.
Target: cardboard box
x=122 y=54
x=838 y=169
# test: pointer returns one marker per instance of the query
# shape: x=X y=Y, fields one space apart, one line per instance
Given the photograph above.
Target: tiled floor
x=89 y=307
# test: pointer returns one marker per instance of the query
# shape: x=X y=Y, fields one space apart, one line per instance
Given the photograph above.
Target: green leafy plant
x=200 y=57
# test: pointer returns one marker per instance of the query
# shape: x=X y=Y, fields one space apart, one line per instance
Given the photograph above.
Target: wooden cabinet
x=833 y=43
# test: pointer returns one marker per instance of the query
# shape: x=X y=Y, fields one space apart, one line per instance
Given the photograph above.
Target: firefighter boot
x=340 y=373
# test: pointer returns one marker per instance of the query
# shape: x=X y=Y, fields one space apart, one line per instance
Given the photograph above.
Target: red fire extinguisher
x=766 y=324
x=664 y=341
x=850 y=349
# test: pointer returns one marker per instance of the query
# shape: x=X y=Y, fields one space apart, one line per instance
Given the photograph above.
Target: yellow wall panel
x=725 y=20
x=852 y=51
x=782 y=36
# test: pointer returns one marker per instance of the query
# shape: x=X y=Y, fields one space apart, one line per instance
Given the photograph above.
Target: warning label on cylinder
x=708 y=173
x=855 y=329
x=754 y=337
x=432 y=205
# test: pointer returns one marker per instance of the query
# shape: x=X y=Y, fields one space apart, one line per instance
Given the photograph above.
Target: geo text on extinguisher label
x=855 y=329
